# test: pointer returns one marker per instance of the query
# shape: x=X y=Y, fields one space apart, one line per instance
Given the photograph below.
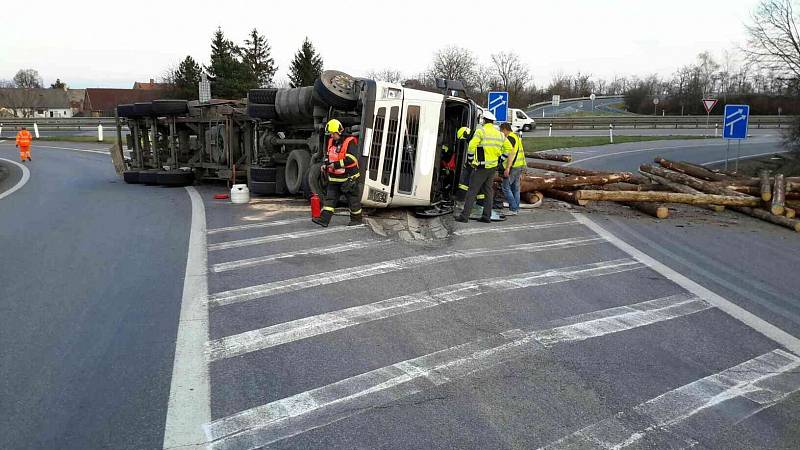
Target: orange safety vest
x=337 y=156
x=24 y=138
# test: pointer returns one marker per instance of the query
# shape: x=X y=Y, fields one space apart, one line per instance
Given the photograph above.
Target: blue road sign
x=735 y=121
x=498 y=105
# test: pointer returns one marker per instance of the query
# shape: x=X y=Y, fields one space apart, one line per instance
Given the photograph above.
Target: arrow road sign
x=736 y=119
x=498 y=105
x=709 y=104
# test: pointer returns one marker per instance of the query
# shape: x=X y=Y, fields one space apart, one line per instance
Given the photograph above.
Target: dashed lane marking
x=352 y=273
x=752 y=386
x=253 y=226
x=510 y=228
x=281 y=237
x=26 y=175
x=291 y=416
x=305 y=328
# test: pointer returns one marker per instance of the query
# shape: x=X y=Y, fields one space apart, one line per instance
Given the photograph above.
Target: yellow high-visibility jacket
x=486 y=146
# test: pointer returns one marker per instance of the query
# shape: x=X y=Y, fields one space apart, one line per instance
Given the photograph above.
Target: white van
x=520 y=121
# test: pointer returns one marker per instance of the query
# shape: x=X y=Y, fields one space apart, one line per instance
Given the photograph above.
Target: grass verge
x=536 y=144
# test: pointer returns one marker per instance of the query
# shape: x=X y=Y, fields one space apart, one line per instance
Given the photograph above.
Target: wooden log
x=569 y=170
x=531 y=183
x=793 y=224
x=550 y=156
x=688 y=180
x=779 y=195
x=651 y=209
x=667 y=197
x=532 y=198
x=565 y=196
x=691 y=169
x=791 y=186
x=790 y=213
x=766 y=188
x=677 y=187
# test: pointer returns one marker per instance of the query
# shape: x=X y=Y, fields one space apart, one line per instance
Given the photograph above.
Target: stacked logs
x=772 y=198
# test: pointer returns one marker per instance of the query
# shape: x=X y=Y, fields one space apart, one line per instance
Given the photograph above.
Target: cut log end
x=662 y=212
x=766 y=196
x=790 y=213
x=717 y=208
x=777 y=210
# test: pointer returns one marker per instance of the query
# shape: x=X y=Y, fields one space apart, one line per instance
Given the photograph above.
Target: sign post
x=655 y=106
x=556 y=103
x=734 y=127
x=498 y=105
x=709 y=104
x=592 y=97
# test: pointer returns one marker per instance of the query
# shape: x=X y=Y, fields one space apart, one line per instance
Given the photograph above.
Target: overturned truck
x=275 y=140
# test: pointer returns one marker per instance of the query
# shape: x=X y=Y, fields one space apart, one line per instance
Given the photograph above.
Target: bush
x=791 y=136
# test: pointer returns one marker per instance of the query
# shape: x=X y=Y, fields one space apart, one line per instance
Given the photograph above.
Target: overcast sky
x=113 y=44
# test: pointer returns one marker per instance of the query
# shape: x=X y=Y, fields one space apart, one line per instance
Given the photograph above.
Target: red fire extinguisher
x=316 y=206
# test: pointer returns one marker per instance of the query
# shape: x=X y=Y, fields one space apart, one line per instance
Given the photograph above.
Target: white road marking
x=272 y=336
x=764 y=381
x=509 y=228
x=281 y=237
x=746 y=157
x=261 y=260
x=26 y=175
x=251 y=226
x=189 y=394
x=281 y=419
x=762 y=326
x=640 y=150
x=352 y=273
x=85 y=150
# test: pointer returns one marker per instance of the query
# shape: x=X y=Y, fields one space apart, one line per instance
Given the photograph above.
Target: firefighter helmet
x=463 y=132
x=333 y=126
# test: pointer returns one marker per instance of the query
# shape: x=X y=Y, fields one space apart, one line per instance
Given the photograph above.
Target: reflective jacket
x=24 y=138
x=448 y=159
x=513 y=148
x=486 y=147
x=342 y=166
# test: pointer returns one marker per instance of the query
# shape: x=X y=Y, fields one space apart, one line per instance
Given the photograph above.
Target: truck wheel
x=175 y=178
x=262 y=96
x=263 y=187
x=170 y=107
x=266 y=112
x=264 y=174
x=526 y=127
x=317 y=182
x=126 y=110
x=336 y=89
x=148 y=177
x=131 y=176
x=296 y=168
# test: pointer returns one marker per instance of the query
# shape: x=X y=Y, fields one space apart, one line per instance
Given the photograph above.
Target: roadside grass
x=539 y=143
x=91 y=139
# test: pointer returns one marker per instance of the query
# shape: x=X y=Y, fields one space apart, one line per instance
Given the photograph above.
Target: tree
x=387 y=75
x=58 y=84
x=229 y=76
x=306 y=66
x=453 y=63
x=28 y=79
x=185 y=79
x=257 y=55
x=773 y=39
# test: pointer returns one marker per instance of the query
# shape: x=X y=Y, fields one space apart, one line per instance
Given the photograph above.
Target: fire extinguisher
x=316 y=206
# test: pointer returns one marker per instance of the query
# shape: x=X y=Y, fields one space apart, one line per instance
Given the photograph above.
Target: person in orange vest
x=341 y=165
x=24 y=143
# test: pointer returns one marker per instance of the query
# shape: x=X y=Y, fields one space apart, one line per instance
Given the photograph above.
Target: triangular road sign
x=709 y=104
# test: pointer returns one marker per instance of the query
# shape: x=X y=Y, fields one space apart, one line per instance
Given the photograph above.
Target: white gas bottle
x=240 y=193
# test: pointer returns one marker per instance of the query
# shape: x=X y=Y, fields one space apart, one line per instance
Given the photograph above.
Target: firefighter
x=447 y=169
x=485 y=153
x=462 y=134
x=341 y=165
x=513 y=168
x=24 y=144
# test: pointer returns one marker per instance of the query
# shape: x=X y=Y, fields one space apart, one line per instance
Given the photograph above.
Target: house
x=152 y=85
x=101 y=102
x=76 y=99
x=21 y=102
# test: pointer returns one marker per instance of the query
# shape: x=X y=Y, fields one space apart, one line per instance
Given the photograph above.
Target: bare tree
x=511 y=72
x=483 y=81
x=388 y=75
x=28 y=79
x=453 y=63
x=774 y=42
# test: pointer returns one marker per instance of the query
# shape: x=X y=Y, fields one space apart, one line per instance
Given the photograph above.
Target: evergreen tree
x=58 y=84
x=185 y=79
x=228 y=74
x=257 y=55
x=306 y=66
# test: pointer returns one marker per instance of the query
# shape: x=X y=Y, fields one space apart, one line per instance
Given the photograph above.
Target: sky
x=113 y=44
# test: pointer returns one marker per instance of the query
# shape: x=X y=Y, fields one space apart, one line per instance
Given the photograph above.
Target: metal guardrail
x=636 y=121
x=62 y=123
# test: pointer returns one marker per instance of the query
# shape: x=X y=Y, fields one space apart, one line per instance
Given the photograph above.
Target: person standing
x=514 y=166
x=484 y=153
x=341 y=165
x=24 y=143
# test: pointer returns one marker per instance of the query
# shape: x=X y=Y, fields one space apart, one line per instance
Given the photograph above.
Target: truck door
x=382 y=150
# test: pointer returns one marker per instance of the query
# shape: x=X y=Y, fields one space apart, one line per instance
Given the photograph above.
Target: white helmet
x=488 y=115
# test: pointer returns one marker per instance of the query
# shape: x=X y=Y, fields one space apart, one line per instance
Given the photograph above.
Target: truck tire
x=336 y=89
x=175 y=178
x=296 y=169
x=148 y=177
x=280 y=181
x=126 y=110
x=317 y=182
x=143 y=109
x=131 y=176
x=263 y=187
x=170 y=107
x=261 y=96
x=258 y=111
x=264 y=174
x=527 y=127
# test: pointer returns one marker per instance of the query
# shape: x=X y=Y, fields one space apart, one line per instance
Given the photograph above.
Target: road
x=551 y=329
x=573 y=106
x=542 y=130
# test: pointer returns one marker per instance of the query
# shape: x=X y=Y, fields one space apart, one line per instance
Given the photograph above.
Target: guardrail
x=568 y=100
x=636 y=121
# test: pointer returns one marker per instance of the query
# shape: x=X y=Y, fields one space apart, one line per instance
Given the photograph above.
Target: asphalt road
x=90 y=288
x=569 y=107
x=544 y=330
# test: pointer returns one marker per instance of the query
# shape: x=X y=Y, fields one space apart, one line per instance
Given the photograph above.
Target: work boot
x=485 y=220
x=355 y=219
x=324 y=219
x=461 y=219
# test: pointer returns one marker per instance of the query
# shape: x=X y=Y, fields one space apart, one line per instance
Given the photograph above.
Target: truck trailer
x=274 y=140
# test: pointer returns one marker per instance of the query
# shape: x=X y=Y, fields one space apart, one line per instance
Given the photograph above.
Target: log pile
x=770 y=197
